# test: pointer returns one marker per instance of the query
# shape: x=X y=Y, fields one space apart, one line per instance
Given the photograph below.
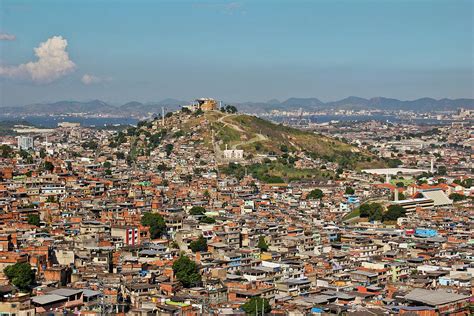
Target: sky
x=146 y=51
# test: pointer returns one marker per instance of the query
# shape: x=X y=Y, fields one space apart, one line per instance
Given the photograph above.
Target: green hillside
x=259 y=136
x=272 y=152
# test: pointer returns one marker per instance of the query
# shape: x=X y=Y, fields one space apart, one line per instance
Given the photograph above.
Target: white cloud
x=88 y=79
x=53 y=63
x=7 y=37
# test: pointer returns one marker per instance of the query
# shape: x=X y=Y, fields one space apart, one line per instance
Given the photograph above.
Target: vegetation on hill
x=278 y=136
x=376 y=212
x=315 y=194
x=197 y=210
x=199 y=244
x=155 y=222
x=187 y=272
x=34 y=219
x=20 y=275
x=255 y=305
x=262 y=244
x=278 y=147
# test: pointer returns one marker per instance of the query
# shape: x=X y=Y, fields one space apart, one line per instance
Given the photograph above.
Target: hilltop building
x=203 y=104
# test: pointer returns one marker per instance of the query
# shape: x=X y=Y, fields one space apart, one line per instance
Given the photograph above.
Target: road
x=257 y=138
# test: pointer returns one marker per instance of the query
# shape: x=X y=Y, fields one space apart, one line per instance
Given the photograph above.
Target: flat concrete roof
x=434 y=298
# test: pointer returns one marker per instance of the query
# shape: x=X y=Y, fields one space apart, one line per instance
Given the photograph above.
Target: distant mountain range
x=134 y=109
x=357 y=103
x=138 y=109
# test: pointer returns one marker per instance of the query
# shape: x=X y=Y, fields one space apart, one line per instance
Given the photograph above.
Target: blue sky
x=120 y=51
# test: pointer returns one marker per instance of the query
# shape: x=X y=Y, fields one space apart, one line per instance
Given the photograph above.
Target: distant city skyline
x=146 y=51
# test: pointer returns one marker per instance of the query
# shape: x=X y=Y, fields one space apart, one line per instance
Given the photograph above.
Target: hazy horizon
x=162 y=100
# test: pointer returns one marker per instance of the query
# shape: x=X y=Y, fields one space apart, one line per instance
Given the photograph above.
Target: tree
x=230 y=109
x=284 y=148
x=207 y=220
x=162 y=167
x=262 y=244
x=187 y=272
x=42 y=153
x=349 y=191
x=198 y=245
x=255 y=304
x=198 y=112
x=6 y=151
x=442 y=170
x=90 y=145
x=155 y=222
x=168 y=149
x=254 y=187
x=316 y=194
x=20 y=275
x=107 y=165
x=33 y=219
x=24 y=154
x=178 y=134
x=467 y=183
x=394 y=163
x=48 y=165
x=456 y=197
x=401 y=196
x=372 y=211
x=197 y=210
x=120 y=155
x=393 y=213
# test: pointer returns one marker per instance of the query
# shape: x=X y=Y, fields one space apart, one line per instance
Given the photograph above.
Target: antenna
x=163 y=116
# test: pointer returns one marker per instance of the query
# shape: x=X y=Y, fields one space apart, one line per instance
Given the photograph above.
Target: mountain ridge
x=135 y=108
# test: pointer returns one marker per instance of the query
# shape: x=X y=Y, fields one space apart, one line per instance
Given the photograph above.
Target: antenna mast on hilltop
x=162 y=116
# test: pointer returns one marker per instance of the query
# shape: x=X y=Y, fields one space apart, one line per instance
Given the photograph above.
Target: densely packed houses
x=143 y=222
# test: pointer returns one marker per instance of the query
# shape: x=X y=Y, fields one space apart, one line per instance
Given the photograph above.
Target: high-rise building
x=25 y=142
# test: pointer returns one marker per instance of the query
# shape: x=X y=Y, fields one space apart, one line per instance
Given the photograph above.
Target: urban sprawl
x=207 y=211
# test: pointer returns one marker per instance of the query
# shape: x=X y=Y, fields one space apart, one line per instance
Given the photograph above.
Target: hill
x=61 y=107
x=272 y=152
x=259 y=136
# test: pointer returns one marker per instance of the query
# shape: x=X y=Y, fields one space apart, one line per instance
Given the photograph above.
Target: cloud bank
x=7 y=37
x=53 y=63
